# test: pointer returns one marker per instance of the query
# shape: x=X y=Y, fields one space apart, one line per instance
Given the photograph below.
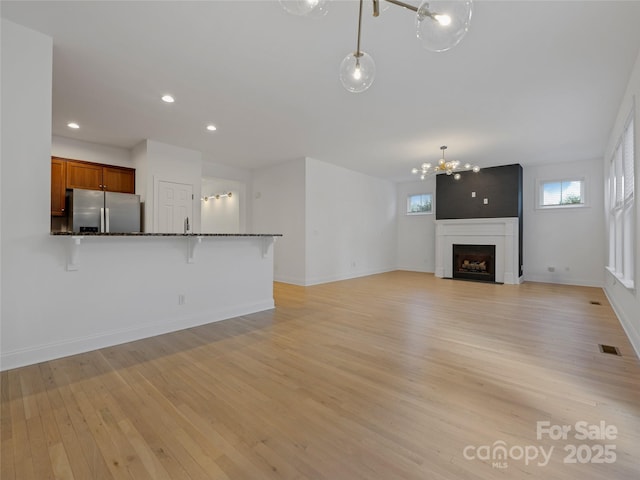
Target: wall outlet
x=485 y=201
x=181 y=299
x=473 y=194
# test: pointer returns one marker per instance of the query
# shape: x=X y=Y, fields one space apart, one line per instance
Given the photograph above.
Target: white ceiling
x=532 y=82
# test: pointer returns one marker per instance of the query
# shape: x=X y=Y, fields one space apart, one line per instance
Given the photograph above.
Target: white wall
x=242 y=176
x=216 y=170
x=416 y=233
x=154 y=162
x=126 y=287
x=625 y=302
x=26 y=185
x=90 y=152
x=571 y=240
x=222 y=215
x=278 y=206
x=350 y=223
x=336 y=223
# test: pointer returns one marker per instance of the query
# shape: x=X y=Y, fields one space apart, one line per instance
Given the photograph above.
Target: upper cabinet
x=58 y=186
x=95 y=176
x=118 y=179
x=84 y=175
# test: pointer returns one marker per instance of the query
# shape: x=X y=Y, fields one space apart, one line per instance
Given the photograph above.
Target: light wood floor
x=383 y=377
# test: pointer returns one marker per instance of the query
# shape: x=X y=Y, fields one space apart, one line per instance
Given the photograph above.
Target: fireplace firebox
x=474 y=262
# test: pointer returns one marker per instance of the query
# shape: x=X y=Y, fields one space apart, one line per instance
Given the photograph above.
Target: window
x=562 y=193
x=620 y=203
x=420 y=204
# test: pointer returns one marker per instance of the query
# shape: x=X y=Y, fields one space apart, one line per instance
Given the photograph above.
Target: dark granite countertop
x=142 y=234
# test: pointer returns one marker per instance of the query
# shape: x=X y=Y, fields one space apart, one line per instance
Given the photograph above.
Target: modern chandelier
x=440 y=26
x=450 y=167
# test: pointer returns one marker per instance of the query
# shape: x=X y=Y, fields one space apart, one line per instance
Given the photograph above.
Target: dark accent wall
x=500 y=186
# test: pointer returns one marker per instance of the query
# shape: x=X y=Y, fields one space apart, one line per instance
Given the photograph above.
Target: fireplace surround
x=503 y=233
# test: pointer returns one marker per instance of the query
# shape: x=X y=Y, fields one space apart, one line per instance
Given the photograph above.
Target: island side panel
x=128 y=288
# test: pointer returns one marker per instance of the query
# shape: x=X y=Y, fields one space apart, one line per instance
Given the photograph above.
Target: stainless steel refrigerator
x=107 y=212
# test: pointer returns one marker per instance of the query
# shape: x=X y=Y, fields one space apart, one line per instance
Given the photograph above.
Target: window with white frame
x=561 y=193
x=420 y=204
x=620 y=204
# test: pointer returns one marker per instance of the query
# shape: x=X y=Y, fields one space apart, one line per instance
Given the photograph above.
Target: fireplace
x=474 y=262
x=501 y=232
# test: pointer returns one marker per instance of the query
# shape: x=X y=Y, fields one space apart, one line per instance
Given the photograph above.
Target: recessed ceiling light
x=168 y=99
x=73 y=125
x=211 y=128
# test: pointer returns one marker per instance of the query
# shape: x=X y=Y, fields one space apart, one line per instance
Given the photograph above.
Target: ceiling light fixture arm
x=401 y=4
x=421 y=12
x=358 y=53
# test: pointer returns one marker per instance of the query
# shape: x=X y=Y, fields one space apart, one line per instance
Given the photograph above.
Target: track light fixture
x=440 y=26
x=218 y=196
x=450 y=167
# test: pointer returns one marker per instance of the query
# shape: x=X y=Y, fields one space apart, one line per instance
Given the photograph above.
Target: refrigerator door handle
x=101 y=220
x=106 y=217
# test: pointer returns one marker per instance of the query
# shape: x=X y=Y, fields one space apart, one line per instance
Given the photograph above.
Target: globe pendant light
x=441 y=24
x=357 y=70
x=305 y=7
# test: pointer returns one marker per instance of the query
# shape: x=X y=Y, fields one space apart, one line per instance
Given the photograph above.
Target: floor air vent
x=595 y=302
x=611 y=350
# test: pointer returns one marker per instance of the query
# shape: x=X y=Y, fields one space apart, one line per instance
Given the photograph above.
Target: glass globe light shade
x=441 y=24
x=357 y=73
x=457 y=176
x=476 y=169
x=305 y=7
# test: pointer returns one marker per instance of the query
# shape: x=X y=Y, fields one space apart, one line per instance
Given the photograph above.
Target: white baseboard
x=289 y=280
x=632 y=333
x=413 y=268
x=43 y=353
x=346 y=276
x=580 y=282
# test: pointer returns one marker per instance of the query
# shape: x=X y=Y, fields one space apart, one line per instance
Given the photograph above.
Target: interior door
x=174 y=205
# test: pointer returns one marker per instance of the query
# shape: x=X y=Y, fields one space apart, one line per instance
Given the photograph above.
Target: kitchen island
x=108 y=289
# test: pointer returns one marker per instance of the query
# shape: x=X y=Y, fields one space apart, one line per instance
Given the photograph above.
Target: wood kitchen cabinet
x=116 y=179
x=95 y=176
x=58 y=186
x=84 y=175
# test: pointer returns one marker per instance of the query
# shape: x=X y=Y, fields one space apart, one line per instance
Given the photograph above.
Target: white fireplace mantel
x=501 y=232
